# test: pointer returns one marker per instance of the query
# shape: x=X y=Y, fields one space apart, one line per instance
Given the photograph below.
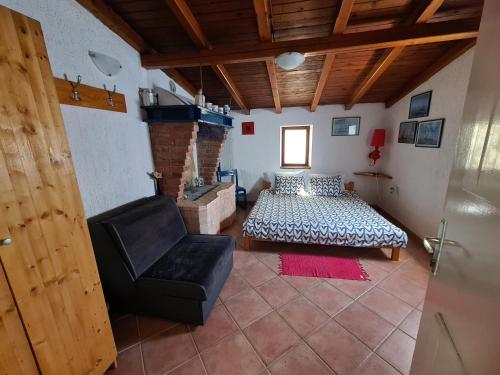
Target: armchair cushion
x=192 y=268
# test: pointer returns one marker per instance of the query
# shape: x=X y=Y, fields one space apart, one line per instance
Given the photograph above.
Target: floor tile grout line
x=382 y=359
x=143 y=364
x=246 y=338
x=301 y=340
x=179 y=365
x=203 y=365
x=222 y=338
x=161 y=331
x=397 y=329
x=279 y=306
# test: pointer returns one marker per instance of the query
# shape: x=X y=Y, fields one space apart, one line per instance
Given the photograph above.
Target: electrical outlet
x=394 y=190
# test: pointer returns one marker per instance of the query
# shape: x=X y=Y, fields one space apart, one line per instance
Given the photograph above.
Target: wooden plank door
x=16 y=357
x=50 y=265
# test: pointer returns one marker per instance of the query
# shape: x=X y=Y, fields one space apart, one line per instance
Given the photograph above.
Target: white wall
x=421 y=174
x=111 y=151
x=253 y=155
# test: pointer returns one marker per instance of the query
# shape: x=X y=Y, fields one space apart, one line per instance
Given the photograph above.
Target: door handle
x=6 y=242
x=430 y=242
x=434 y=245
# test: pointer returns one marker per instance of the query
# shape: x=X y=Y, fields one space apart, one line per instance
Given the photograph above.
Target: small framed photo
x=429 y=133
x=420 y=105
x=247 y=128
x=345 y=126
x=407 y=131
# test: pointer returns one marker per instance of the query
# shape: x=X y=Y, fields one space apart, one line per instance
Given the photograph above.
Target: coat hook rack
x=74 y=91
x=110 y=95
x=90 y=96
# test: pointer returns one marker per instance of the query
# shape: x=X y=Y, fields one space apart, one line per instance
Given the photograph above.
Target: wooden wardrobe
x=53 y=318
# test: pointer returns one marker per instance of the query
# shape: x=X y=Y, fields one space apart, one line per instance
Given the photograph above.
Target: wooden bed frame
x=247 y=244
x=247 y=241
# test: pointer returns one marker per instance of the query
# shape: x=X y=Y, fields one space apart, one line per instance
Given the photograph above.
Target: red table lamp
x=378 y=140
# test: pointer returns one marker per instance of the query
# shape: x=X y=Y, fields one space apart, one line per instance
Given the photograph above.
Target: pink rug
x=322 y=266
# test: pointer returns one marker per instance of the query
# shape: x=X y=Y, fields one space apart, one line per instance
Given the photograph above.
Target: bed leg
x=395 y=253
x=246 y=243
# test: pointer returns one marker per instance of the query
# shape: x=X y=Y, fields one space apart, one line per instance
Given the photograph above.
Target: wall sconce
x=378 y=140
x=106 y=64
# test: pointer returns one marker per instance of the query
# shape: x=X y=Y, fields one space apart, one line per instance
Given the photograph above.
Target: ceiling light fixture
x=290 y=60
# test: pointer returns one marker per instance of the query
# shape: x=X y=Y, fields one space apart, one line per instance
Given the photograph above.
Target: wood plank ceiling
x=195 y=27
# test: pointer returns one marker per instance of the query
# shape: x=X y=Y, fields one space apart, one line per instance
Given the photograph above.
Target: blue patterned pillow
x=288 y=185
x=330 y=186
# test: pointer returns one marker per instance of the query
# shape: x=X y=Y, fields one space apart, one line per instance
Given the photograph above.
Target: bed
x=345 y=220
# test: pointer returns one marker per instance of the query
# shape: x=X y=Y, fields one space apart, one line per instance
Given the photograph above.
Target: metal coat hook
x=74 y=91
x=110 y=95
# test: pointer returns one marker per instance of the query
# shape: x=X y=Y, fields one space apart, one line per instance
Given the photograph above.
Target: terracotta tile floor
x=265 y=323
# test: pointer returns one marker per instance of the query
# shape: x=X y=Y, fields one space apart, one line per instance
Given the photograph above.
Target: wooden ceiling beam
x=458 y=50
x=186 y=17
x=119 y=26
x=422 y=13
x=325 y=71
x=343 y=16
x=273 y=79
x=231 y=87
x=375 y=73
x=367 y=40
x=338 y=28
x=263 y=14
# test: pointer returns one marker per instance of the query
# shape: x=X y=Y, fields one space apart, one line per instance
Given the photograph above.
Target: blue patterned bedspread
x=346 y=220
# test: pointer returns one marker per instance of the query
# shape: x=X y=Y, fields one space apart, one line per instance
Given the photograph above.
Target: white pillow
x=271 y=176
x=330 y=186
x=313 y=175
x=289 y=185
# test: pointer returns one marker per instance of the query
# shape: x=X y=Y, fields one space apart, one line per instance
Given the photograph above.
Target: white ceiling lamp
x=290 y=60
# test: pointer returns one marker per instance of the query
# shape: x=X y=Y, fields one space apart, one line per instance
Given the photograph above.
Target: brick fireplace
x=173 y=146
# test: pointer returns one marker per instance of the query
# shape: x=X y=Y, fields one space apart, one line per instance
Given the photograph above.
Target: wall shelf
x=373 y=174
x=185 y=113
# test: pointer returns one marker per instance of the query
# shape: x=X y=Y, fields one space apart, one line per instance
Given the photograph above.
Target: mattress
x=346 y=220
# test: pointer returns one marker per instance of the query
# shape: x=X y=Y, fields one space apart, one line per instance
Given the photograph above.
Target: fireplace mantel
x=165 y=114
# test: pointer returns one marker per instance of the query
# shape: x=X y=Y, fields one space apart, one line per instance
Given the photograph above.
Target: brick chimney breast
x=172 y=147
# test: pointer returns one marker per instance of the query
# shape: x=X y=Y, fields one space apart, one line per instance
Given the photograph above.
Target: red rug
x=322 y=266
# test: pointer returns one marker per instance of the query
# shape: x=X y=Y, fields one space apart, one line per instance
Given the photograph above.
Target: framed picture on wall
x=429 y=133
x=420 y=105
x=407 y=131
x=248 y=128
x=345 y=126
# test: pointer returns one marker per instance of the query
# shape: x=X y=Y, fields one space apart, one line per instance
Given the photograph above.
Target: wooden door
x=16 y=357
x=50 y=264
x=460 y=327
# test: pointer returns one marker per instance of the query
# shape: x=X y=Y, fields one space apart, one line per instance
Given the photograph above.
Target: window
x=295 y=146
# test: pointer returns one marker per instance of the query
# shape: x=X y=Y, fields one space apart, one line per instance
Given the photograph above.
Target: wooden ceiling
x=356 y=50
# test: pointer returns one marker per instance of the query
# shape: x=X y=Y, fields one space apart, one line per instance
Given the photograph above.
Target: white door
x=460 y=328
